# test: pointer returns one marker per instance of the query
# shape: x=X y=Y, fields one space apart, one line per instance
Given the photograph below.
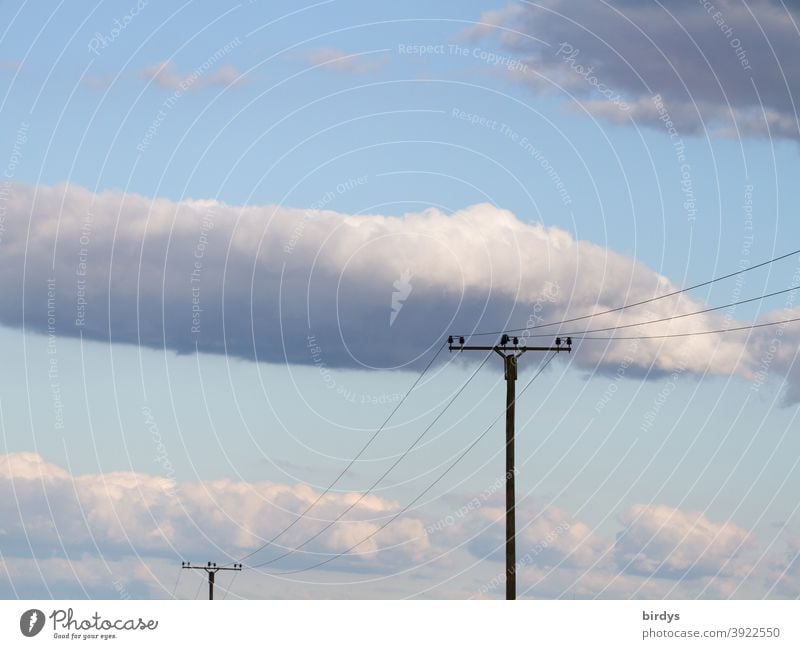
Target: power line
x=175 y=588
x=640 y=302
x=672 y=317
x=554 y=323
x=385 y=473
x=695 y=333
x=230 y=585
x=199 y=587
x=427 y=489
x=350 y=464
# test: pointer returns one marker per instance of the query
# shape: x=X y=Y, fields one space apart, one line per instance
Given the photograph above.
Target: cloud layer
x=48 y=512
x=281 y=285
x=723 y=67
x=108 y=532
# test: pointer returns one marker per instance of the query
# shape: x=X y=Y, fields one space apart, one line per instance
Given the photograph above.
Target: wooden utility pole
x=510 y=350
x=212 y=569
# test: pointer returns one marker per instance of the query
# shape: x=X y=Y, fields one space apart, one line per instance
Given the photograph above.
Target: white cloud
x=661 y=551
x=662 y=540
x=121 y=534
x=340 y=61
x=257 y=281
x=548 y=536
x=13 y=66
x=48 y=512
x=165 y=75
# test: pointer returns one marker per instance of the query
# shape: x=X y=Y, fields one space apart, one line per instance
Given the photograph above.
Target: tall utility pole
x=510 y=353
x=212 y=569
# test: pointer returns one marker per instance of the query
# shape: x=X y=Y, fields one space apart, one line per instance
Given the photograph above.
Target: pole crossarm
x=501 y=349
x=211 y=569
x=504 y=348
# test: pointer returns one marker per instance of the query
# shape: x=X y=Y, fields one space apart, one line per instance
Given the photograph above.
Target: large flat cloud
x=319 y=287
x=722 y=65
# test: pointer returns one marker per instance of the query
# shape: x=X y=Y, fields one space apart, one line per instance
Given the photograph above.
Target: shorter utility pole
x=212 y=569
x=510 y=350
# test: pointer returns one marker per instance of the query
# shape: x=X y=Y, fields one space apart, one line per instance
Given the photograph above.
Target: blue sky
x=315 y=154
